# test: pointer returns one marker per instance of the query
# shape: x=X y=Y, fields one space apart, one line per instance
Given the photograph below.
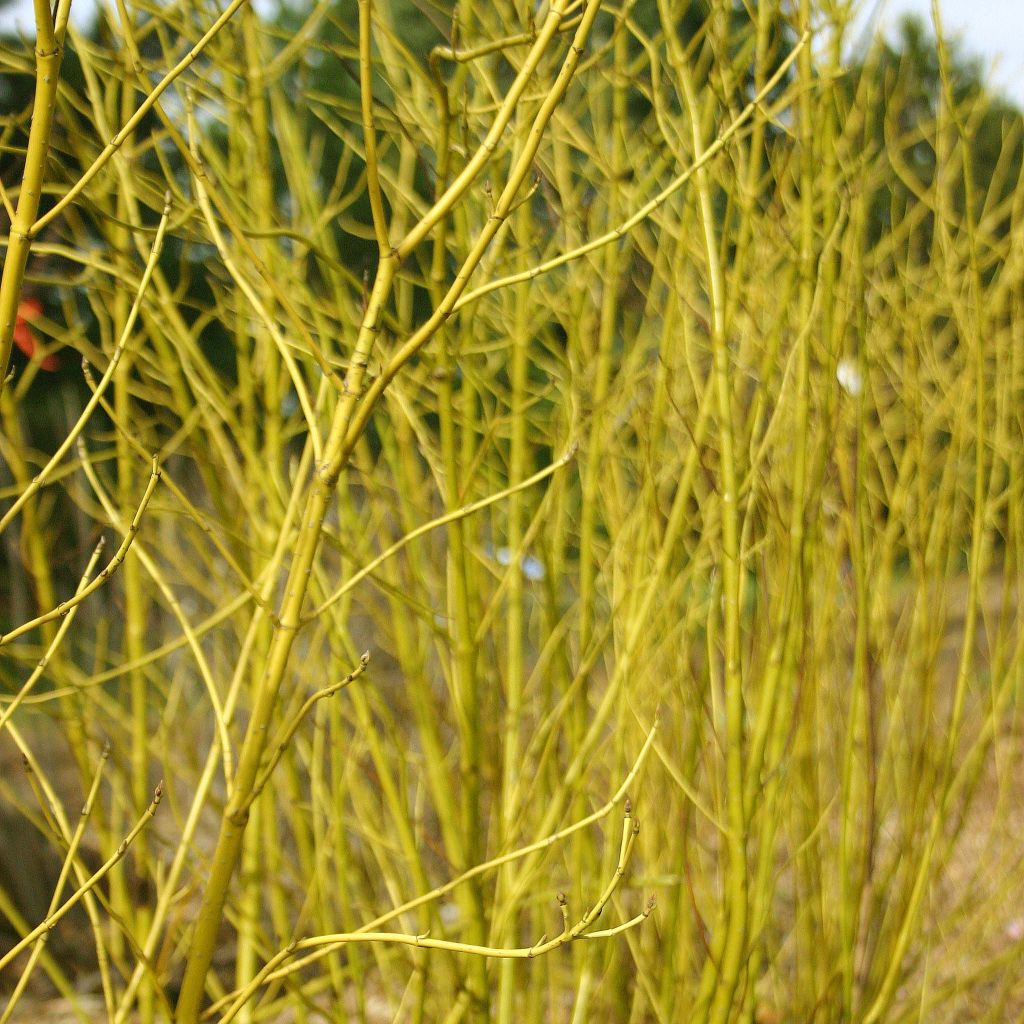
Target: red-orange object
x=24 y=336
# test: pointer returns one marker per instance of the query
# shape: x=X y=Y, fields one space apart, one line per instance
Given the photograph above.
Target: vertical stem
x=516 y=619
x=252 y=138
x=236 y=814
x=49 y=52
x=613 y=258
x=369 y=129
x=722 y=972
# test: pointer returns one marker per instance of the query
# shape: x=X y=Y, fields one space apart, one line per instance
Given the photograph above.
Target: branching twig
x=477 y=870
x=433 y=524
x=136 y=119
x=83 y=592
x=89 y=883
x=108 y=375
x=55 y=642
x=648 y=208
x=630 y=830
x=65 y=870
x=281 y=745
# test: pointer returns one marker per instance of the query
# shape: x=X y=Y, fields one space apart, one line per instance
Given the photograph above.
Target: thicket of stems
x=639 y=391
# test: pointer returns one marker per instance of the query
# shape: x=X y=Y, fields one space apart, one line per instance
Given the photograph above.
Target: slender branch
x=89 y=884
x=630 y=830
x=502 y=208
x=136 y=119
x=55 y=643
x=292 y=727
x=66 y=867
x=380 y=226
x=220 y=716
x=476 y=164
x=112 y=566
x=433 y=524
x=712 y=150
x=49 y=52
x=477 y=870
x=90 y=406
x=199 y=184
x=457 y=56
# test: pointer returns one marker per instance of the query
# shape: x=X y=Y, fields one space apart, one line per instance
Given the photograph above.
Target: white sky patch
x=990 y=29
x=19 y=15
x=532 y=567
x=849 y=377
